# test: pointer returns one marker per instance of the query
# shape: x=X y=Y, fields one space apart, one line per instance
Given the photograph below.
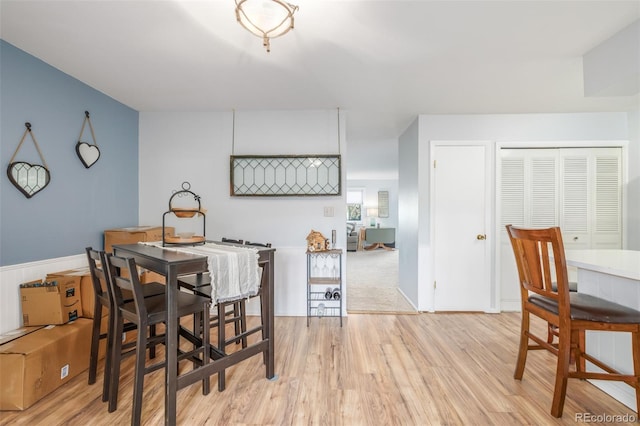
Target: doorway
x=373 y=283
x=372 y=278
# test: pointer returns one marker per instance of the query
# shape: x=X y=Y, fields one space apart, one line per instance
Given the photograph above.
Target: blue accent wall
x=72 y=212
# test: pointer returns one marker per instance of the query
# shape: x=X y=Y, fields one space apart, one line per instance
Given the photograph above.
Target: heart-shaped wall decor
x=87 y=153
x=28 y=178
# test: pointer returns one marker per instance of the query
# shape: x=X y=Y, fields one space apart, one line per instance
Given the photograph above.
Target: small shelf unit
x=324 y=284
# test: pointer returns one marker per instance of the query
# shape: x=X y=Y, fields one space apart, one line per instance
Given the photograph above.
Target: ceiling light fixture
x=265 y=18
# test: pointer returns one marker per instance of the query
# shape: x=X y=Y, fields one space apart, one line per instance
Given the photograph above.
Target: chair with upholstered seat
x=103 y=300
x=146 y=312
x=573 y=313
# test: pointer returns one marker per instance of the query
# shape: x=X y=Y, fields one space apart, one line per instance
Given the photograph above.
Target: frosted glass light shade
x=266 y=19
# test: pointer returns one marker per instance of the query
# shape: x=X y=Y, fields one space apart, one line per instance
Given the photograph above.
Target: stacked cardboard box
x=50 y=301
x=87 y=294
x=134 y=235
x=41 y=360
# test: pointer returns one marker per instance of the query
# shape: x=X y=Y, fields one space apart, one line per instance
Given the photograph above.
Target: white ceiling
x=381 y=62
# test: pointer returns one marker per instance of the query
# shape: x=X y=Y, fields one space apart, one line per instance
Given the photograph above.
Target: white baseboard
x=407 y=299
x=510 y=305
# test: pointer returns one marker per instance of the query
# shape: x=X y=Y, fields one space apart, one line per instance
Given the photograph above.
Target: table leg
x=171 y=344
x=269 y=317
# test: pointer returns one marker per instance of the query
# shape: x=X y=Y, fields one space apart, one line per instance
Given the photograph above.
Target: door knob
x=481 y=237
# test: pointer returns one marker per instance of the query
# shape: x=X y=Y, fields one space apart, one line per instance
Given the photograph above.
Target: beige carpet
x=372 y=283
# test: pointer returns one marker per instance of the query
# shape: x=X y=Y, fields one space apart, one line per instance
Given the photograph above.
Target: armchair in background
x=352 y=237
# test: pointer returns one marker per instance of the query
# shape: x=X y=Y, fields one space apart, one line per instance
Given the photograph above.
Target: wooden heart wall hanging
x=88 y=153
x=28 y=178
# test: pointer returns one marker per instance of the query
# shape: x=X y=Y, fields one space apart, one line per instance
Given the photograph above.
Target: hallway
x=372 y=283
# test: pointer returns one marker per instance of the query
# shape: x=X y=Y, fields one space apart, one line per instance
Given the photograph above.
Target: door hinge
x=434 y=284
x=434 y=164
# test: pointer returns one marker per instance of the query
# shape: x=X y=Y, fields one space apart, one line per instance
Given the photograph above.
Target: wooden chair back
x=541 y=264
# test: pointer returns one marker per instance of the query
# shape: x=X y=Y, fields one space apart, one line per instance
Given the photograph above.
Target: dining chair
x=242 y=303
x=240 y=310
x=201 y=285
x=573 y=313
x=231 y=240
x=103 y=300
x=244 y=333
x=146 y=312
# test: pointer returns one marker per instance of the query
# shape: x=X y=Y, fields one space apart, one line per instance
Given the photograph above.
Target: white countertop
x=622 y=263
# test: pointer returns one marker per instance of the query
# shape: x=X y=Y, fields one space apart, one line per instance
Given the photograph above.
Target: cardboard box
x=39 y=362
x=54 y=301
x=133 y=235
x=149 y=277
x=87 y=295
x=15 y=334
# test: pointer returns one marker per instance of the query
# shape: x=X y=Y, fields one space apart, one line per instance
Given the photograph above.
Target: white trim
x=38 y=263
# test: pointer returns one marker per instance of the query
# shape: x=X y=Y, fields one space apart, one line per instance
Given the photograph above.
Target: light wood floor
x=439 y=369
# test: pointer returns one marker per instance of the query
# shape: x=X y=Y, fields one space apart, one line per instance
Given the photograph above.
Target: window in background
x=355 y=199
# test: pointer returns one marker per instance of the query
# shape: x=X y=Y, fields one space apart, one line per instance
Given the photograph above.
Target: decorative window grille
x=289 y=175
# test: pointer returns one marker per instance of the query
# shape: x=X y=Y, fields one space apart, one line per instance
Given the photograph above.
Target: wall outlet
x=328 y=211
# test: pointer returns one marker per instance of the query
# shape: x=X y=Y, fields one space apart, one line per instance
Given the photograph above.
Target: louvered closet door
x=529 y=197
x=575 y=172
x=529 y=187
x=591 y=198
x=578 y=189
x=607 y=209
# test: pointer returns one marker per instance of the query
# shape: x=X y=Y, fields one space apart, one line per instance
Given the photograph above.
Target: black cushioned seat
x=585 y=307
x=573 y=286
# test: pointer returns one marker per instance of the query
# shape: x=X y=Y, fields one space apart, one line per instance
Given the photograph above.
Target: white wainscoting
x=290 y=284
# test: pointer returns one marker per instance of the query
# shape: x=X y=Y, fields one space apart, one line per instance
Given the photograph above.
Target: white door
x=460 y=208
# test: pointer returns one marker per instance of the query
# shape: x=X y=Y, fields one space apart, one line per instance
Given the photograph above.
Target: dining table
x=173 y=263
